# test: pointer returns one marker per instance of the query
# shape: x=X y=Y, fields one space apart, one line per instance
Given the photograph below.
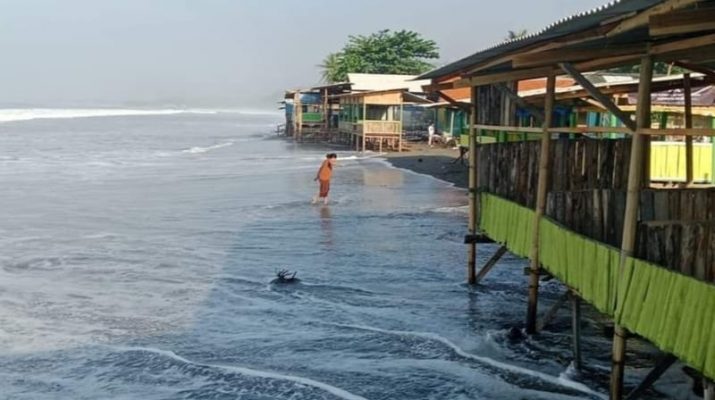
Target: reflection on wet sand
x=383 y=177
x=326 y=226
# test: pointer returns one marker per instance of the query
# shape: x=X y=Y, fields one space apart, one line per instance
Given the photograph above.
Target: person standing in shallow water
x=323 y=177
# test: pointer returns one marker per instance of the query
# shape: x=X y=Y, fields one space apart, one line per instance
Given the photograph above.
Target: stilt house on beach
x=339 y=112
x=311 y=114
x=375 y=119
x=584 y=209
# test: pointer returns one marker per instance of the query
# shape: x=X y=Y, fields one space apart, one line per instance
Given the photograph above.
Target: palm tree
x=330 y=67
x=513 y=35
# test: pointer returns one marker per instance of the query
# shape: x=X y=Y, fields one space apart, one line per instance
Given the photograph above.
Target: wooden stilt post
x=630 y=221
x=551 y=314
x=708 y=389
x=712 y=156
x=491 y=263
x=327 y=115
x=402 y=127
x=544 y=168
x=451 y=123
x=364 y=125
x=297 y=115
x=688 y=97
x=299 y=118
x=472 y=256
x=663 y=364
x=576 y=330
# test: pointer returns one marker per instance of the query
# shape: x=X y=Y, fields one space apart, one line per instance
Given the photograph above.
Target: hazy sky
x=230 y=53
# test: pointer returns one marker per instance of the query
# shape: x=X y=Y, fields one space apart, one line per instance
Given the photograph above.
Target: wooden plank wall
x=678 y=230
x=511 y=169
x=494 y=107
x=587 y=194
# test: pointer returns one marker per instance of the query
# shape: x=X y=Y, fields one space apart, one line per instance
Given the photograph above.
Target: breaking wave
x=198 y=150
x=560 y=380
x=27 y=114
x=336 y=391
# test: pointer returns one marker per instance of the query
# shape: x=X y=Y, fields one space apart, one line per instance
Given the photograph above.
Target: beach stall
x=584 y=210
x=676 y=158
x=415 y=119
x=330 y=109
x=311 y=114
x=668 y=153
x=375 y=119
x=450 y=119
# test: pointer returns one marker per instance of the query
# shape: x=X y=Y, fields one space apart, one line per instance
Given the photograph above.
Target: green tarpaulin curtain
x=674 y=311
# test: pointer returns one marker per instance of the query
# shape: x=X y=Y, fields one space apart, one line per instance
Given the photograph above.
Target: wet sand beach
x=439 y=162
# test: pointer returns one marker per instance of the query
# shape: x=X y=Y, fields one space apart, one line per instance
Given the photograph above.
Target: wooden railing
x=510 y=170
x=370 y=127
x=349 y=127
x=382 y=127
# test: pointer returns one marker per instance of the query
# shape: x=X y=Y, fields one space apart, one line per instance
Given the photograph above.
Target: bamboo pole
x=402 y=126
x=544 y=164
x=630 y=221
x=712 y=156
x=364 y=127
x=708 y=389
x=576 y=330
x=299 y=118
x=297 y=114
x=326 y=114
x=660 y=368
x=688 y=96
x=491 y=263
x=472 y=225
x=551 y=314
x=451 y=123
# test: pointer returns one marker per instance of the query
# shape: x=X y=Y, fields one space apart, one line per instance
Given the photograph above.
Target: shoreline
x=437 y=162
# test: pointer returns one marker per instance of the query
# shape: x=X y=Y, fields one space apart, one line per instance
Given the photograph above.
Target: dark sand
x=434 y=161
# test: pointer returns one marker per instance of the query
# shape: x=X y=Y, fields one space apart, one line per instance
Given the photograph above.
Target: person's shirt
x=430 y=130
x=325 y=171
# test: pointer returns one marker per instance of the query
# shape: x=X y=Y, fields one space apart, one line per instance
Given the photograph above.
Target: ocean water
x=138 y=251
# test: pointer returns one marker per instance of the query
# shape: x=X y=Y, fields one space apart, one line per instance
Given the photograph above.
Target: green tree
x=384 y=52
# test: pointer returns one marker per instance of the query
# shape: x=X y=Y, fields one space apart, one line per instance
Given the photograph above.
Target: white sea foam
x=560 y=380
x=452 y=210
x=198 y=150
x=341 y=158
x=336 y=391
x=27 y=114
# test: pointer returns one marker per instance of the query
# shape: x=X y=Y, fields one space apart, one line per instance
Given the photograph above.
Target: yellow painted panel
x=667 y=161
x=384 y=98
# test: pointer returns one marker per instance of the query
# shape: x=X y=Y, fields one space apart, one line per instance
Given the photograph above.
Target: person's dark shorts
x=324 y=188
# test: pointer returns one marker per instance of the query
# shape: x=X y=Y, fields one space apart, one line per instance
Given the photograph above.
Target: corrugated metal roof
x=376 y=82
x=466 y=101
x=408 y=96
x=611 y=81
x=337 y=85
x=701 y=97
x=565 y=26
